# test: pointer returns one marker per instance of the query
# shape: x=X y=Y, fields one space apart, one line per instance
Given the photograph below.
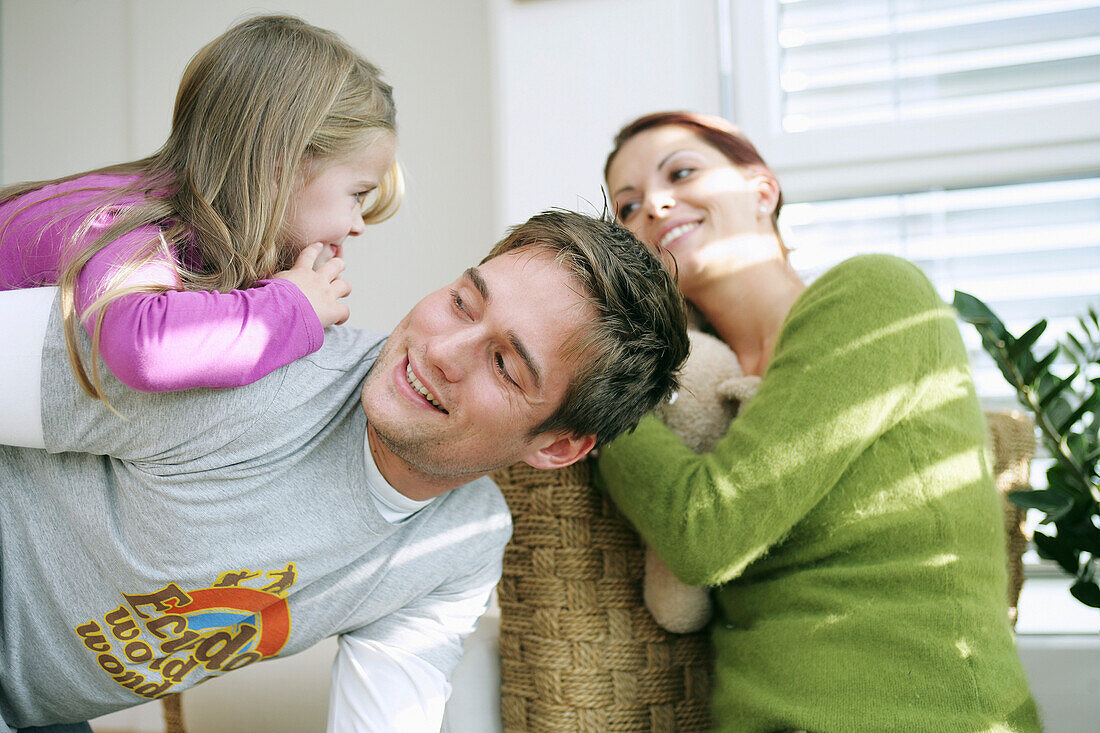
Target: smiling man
x=194 y=533
x=468 y=376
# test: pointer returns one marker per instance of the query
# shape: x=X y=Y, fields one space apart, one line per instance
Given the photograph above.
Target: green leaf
x=1024 y=343
x=1053 y=548
x=1032 y=371
x=1090 y=315
x=1058 y=411
x=1064 y=426
x=1092 y=432
x=1064 y=480
x=1046 y=501
x=1087 y=592
x=1092 y=395
x=1089 y=540
x=1075 y=348
x=1083 y=536
x=1054 y=387
x=974 y=311
x=1079 y=447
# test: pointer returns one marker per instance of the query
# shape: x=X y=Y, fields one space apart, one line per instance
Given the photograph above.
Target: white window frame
x=968 y=149
x=959 y=151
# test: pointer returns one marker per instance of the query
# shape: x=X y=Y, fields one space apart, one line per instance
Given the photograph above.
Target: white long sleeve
x=24 y=315
x=380 y=688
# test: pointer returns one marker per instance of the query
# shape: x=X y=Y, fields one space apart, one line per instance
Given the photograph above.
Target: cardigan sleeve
x=178 y=339
x=849 y=359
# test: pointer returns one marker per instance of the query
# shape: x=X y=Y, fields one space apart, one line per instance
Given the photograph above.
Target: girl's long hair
x=261 y=105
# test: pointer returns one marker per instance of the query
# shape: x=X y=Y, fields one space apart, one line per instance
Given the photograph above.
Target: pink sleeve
x=162 y=342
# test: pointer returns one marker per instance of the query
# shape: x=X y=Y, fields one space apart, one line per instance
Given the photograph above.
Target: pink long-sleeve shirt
x=153 y=342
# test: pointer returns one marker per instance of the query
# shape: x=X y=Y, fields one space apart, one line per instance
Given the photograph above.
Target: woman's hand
x=323 y=287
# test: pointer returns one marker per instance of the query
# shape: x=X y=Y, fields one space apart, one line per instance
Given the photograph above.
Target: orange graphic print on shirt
x=171 y=637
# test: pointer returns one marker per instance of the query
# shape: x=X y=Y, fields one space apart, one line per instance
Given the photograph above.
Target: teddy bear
x=712 y=389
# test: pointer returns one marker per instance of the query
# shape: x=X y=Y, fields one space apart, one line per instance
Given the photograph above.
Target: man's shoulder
x=480 y=501
x=335 y=372
x=345 y=346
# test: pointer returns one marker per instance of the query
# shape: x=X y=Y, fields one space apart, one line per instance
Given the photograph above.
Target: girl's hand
x=323 y=287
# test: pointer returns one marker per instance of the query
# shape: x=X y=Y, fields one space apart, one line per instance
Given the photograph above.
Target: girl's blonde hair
x=272 y=99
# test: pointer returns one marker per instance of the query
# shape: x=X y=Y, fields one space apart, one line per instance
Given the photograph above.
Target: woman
x=847 y=519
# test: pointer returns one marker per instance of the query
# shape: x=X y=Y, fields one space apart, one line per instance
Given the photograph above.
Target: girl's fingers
x=346 y=312
x=326 y=255
x=307 y=258
x=332 y=268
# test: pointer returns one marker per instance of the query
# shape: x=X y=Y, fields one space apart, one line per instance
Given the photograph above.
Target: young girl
x=194 y=267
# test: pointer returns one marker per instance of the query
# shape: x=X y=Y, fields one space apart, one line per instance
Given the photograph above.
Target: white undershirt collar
x=394 y=506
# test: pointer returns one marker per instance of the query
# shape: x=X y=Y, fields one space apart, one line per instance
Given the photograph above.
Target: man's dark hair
x=628 y=358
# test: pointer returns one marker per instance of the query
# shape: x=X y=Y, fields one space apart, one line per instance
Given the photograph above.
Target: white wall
x=88 y=83
x=570 y=73
x=505 y=107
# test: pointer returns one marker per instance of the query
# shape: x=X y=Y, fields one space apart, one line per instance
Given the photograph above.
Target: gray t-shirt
x=202 y=531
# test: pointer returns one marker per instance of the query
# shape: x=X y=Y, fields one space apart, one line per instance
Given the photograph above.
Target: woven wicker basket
x=173 y=713
x=1012 y=436
x=578 y=649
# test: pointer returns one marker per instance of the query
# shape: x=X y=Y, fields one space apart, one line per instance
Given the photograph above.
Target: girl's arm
x=851 y=356
x=175 y=340
x=162 y=341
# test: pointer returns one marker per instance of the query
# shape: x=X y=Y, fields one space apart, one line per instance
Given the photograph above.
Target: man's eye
x=499 y=359
x=459 y=303
x=626 y=210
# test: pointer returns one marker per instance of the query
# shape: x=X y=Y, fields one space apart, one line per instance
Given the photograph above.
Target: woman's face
x=675 y=191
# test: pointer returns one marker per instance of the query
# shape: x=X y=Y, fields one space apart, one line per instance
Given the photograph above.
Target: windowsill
x=1047 y=608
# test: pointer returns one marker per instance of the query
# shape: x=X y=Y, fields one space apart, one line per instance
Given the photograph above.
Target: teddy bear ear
x=739 y=389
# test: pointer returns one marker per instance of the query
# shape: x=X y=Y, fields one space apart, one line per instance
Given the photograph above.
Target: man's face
x=475 y=367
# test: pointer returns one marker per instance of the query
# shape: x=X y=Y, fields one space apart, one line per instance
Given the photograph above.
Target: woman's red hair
x=718 y=132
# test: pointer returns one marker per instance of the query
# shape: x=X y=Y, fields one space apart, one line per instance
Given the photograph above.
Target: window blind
x=1029 y=250
x=963 y=135
x=858 y=62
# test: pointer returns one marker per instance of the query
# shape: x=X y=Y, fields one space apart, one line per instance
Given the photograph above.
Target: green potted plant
x=1066 y=408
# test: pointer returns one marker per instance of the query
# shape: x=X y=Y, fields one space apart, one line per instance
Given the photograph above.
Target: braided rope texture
x=173 y=713
x=1012 y=436
x=578 y=649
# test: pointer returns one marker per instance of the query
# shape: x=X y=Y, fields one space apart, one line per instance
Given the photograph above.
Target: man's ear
x=559 y=450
